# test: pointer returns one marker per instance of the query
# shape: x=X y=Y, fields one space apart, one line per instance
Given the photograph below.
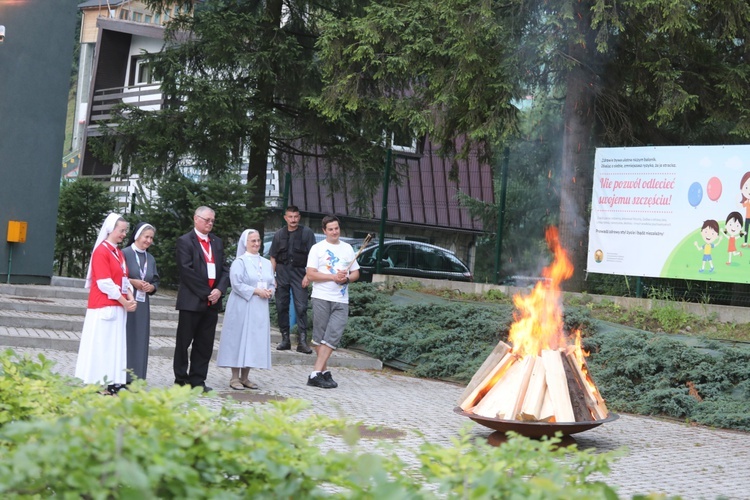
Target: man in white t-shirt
x=331 y=266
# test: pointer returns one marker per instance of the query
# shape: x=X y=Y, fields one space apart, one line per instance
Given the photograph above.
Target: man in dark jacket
x=204 y=278
x=288 y=254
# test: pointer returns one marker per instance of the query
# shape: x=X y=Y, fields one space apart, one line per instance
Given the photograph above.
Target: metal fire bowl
x=535 y=429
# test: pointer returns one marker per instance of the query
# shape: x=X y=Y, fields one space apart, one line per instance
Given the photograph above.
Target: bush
x=637 y=372
x=163 y=443
x=444 y=340
x=653 y=374
x=28 y=389
x=84 y=204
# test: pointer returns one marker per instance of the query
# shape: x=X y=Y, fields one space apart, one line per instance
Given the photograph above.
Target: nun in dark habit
x=145 y=280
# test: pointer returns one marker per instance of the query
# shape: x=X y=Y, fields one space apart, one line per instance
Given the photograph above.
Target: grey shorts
x=329 y=321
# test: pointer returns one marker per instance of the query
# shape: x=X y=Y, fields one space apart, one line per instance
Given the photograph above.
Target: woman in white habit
x=246 y=331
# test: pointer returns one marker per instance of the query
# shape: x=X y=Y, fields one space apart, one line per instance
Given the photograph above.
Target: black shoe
x=304 y=348
x=327 y=376
x=207 y=389
x=319 y=381
x=113 y=389
x=285 y=343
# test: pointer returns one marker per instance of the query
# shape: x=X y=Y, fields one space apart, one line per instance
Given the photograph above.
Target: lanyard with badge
x=210 y=265
x=262 y=284
x=140 y=295
x=125 y=287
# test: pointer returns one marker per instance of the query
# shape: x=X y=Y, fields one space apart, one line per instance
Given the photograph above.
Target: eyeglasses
x=210 y=221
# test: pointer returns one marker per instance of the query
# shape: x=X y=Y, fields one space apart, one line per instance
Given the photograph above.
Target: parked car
x=413 y=258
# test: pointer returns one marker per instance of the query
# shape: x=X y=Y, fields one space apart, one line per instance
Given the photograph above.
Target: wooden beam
x=489 y=380
x=497 y=354
x=531 y=408
x=514 y=405
x=492 y=403
x=577 y=392
x=593 y=399
x=557 y=385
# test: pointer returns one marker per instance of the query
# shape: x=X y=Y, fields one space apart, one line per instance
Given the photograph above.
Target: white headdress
x=242 y=243
x=109 y=225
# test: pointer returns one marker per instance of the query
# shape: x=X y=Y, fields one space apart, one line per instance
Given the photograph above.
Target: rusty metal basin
x=535 y=429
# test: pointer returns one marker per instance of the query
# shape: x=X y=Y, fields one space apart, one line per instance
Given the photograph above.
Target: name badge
x=140 y=296
x=262 y=285
x=211 y=270
x=125 y=285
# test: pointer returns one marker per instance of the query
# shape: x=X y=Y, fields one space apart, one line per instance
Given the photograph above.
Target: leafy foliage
x=437 y=68
x=29 y=390
x=163 y=443
x=84 y=204
x=471 y=469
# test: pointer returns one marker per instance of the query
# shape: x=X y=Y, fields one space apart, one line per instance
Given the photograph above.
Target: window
x=397 y=255
x=368 y=257
x=455 y=265
x=404 y=142
x=140 y=71
x=147 y=19
x=157 y=18
x=426 y=258
x=125 y=14
x=137 y=17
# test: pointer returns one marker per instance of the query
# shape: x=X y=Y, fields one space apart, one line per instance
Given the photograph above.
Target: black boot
x=302 y=344
x=285 y=343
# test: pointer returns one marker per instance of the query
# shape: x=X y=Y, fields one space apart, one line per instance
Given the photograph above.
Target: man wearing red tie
x=204 y=278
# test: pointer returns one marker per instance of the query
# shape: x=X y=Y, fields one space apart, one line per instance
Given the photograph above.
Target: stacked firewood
x=553 y=386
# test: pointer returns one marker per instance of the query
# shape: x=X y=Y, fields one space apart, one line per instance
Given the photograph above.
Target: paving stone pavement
x=666 y=457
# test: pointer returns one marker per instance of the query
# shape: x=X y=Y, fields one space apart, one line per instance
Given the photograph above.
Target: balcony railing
x=147 y=97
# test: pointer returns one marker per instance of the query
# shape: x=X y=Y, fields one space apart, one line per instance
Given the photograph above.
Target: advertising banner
x=671 y=212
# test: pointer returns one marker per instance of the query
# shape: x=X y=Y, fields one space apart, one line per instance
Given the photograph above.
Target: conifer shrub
x=655 y=374
x=636 y=371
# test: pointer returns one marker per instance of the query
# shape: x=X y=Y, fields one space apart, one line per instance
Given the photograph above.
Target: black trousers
x=290 y=278
x=198 y=329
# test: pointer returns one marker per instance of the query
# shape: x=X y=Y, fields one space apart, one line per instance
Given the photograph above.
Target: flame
x=536 y=332
x=538 y=324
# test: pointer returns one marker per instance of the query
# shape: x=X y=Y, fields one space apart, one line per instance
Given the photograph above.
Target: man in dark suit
x=204 y=278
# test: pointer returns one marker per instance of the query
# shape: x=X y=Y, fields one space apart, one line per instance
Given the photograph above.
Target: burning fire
x=544 y=376
x=540 y=325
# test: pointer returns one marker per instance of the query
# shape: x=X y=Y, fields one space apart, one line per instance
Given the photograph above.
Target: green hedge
x=636 y=372
x=60 y=440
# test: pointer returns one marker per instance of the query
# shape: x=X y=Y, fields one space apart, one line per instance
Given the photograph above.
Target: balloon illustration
x=695 y=194
x=713 y=188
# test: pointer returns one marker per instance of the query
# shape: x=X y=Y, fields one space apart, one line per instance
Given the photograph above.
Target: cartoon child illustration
x=745 y=202
x=711 y=237
x=733 y=229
